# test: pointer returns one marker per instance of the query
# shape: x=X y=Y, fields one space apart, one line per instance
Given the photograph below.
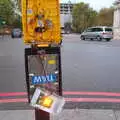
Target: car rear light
x=104 y=33
x=107 y=33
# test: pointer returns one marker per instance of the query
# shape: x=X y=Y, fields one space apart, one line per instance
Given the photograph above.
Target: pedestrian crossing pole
x=41 y=29
x=29 y=66
x=41 y=115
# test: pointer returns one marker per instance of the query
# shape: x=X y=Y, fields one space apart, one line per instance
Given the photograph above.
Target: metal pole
x=69 y=9
x=41 y=115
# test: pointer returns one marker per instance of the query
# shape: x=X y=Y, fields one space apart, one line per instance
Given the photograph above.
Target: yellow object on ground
x=41 y=21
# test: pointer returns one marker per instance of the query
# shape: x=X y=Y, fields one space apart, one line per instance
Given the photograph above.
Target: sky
x=96 y=4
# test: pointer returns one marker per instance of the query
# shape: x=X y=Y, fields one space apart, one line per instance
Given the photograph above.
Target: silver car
x=99 y=33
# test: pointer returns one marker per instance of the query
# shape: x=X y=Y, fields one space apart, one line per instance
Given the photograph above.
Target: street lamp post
x=69 y=10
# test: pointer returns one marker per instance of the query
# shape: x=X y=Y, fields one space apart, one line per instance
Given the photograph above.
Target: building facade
x=65 y=13
x=116 y=24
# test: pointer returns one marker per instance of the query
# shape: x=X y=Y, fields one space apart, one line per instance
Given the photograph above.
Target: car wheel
x=108 y=39
x=91 y=39
x=99 y=38
x=12 y=36
x=20 y=36
x=82 y=38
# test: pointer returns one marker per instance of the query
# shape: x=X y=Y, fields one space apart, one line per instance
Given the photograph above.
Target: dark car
x=16 y=33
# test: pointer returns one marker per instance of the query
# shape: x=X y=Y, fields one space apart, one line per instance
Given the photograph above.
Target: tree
x=105 y=16
x=2 y=22
x=7 y=11
x=83 y=17
x=92 y=18
x=10 y=12
x=17 y=22
x=17 y=6
x=67 y=27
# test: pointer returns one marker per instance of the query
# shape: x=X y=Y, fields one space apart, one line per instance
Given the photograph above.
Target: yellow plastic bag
x=41 y=21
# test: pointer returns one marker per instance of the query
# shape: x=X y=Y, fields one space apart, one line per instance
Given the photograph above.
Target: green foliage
x=105 y=16
x=2 y=22
x=7 y=11
x=84 y=16
x=17 y=22
x=67 y=26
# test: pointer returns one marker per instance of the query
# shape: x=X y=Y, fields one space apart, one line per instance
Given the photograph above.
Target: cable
x=45 y=74
x=44 y=71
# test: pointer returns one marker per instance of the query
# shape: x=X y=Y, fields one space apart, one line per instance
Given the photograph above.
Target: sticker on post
x=44 y=79
x=29 y=11
x=51 y=62
x=45 y=101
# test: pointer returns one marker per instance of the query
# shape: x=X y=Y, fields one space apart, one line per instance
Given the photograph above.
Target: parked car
x=16 y=32
x=62 y=31
x=5 y=31
x=99 y=33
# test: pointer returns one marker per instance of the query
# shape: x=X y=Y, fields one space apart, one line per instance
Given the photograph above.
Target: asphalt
x=91 y=65
x=90 y=68
x=12 y=74
x=87 y=66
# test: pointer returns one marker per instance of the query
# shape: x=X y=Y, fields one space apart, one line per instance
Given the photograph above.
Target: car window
x=89 y=30
x=16 y=30
x=108 y=29
x=97 y=29
x=93 y=29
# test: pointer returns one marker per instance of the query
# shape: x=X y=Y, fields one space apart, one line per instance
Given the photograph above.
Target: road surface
x=91 y=77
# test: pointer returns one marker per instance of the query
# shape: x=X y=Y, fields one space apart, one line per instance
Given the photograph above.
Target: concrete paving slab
x=74 y=114
x=18 y=115
x=101 y=115
x=85 y=115
x=3 y=114
x=71 y=115
x=117 y=115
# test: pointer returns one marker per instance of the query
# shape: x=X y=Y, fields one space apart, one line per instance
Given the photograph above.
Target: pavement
x=73 y=114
